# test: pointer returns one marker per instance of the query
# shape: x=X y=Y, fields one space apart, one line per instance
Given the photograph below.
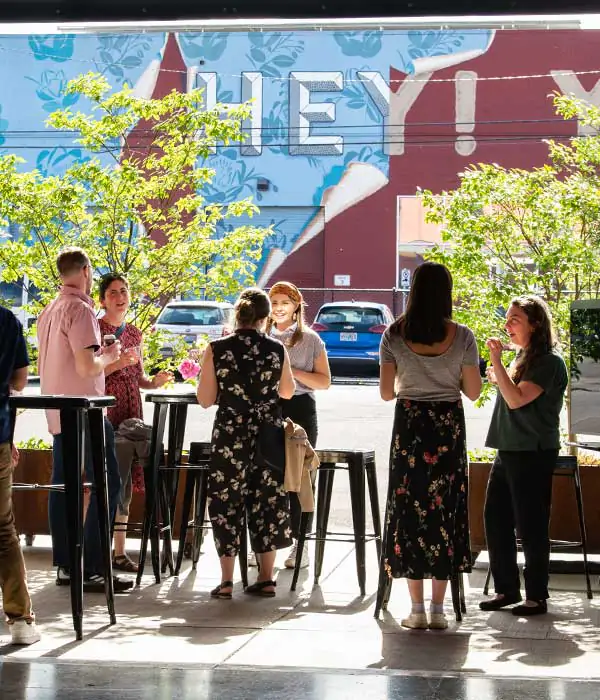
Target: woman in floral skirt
x=427 y=360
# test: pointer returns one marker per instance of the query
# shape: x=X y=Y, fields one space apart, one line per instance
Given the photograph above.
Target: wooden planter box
x=31 y=507
x=564 y=524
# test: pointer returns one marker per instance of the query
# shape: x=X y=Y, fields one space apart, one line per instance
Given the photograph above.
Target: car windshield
x=354 y=315
x=11 y=293
x=191 y=316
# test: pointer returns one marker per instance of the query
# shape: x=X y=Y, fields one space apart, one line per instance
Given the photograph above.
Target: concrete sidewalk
x=325 y=627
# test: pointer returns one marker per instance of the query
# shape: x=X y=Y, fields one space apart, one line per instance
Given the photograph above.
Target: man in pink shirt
x=72 y=361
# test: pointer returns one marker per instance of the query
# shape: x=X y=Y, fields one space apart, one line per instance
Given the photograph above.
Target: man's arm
x=19 y=379
x=84 y=338
x=88 y=364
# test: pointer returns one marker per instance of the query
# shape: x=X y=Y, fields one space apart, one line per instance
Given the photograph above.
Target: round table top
x=179 y=393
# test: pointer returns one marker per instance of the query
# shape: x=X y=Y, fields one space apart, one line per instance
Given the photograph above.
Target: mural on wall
x=318 y=133
x=341 y=123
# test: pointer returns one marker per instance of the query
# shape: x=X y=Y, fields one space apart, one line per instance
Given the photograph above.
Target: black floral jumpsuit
x=248 y=366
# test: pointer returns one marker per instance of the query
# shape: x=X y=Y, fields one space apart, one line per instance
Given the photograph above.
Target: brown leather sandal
x=124 y=563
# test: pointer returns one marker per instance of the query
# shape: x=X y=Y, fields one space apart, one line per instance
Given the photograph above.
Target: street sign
x=341 y=280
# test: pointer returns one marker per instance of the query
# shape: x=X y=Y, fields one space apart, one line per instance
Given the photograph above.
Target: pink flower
x=189 y=369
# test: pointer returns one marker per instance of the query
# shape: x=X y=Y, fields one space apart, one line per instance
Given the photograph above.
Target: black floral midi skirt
x=427 y=524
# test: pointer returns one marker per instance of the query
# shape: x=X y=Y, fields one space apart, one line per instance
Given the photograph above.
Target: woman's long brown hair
x=295 y=295
x=542 y=338
x=429 y=306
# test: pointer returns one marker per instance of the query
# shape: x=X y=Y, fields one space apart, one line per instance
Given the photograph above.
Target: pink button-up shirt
x=68 y=324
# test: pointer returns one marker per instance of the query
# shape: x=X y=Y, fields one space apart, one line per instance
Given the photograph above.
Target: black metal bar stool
x=195 y=494
x=75 y=411
x=566 y=466
x=357 y=463
x=384 y=585
x=161 y=477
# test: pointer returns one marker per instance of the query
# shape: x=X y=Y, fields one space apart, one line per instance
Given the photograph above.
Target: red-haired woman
x=310 y=368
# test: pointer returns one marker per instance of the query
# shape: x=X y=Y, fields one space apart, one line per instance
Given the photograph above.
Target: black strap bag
x=270 y=446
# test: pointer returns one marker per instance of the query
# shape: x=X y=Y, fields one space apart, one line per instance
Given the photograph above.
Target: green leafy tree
x=507 y=232
x=149 y=192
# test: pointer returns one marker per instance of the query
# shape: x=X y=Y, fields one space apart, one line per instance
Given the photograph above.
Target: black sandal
x=124 y=563
x=258 y=589
x=218 y=591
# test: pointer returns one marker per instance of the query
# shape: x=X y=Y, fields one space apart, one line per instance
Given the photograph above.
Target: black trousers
x=519 y=496
x=302 y=409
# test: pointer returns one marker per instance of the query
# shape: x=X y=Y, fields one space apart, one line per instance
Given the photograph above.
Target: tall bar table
x=75 y=411
x=161 y=493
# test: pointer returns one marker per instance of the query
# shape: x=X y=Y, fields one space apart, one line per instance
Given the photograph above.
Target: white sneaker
x=415 y=621
x=438 y=621
x=252 y=559
x=290 y=562
x=24 y=632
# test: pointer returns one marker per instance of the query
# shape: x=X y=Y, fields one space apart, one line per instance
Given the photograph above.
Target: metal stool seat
x=358 y=464
x=565 y=466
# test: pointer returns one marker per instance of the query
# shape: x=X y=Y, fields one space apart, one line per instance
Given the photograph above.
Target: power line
x=429 y=141
x=319 y=125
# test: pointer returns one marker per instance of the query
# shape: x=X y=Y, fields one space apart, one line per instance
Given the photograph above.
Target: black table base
x=162 y=479
x=75 y=411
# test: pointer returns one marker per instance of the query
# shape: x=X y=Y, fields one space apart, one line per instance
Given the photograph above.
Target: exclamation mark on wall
x=466 y=85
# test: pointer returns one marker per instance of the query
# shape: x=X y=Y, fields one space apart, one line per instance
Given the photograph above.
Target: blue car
x=351 y=330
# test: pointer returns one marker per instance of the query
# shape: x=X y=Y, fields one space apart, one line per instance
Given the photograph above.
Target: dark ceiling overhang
x=139 y=10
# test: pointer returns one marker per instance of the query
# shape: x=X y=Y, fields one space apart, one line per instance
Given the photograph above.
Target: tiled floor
x=172 y=641
x=87 y=681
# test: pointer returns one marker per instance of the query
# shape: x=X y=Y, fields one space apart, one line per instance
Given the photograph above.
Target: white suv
x=195 y=318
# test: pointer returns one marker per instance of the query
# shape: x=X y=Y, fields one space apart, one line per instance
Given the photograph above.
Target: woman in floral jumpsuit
x=245 y=374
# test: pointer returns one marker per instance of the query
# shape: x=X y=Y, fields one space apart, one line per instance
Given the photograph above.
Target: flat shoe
x=438 y=621
x=499 y=603
x=258 y=589
x=124 y=563
x=528 y=610
x=218 y=591
x=415 y=621
x=95 y=584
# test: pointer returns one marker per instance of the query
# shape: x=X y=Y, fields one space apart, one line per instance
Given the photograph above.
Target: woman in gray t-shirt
x=427 y=361
x=310 y=367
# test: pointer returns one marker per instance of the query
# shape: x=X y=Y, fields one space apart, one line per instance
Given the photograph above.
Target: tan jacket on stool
x=300 y=460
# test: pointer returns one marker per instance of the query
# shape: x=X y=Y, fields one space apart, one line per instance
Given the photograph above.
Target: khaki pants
x=13 y=577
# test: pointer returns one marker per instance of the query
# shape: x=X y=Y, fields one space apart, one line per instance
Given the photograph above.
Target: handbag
x=270 y=446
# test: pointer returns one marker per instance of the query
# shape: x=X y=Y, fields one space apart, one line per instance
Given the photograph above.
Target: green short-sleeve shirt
x=536 y=425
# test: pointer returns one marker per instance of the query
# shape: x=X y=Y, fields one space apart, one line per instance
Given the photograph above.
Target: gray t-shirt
x=303 y=354
x=433 y=378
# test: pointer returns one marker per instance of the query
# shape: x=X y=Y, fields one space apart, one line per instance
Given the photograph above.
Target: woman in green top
x=525 y=431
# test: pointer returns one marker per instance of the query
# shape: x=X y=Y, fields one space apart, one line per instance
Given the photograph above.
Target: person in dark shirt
x=525 y=430
x=13 y=577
